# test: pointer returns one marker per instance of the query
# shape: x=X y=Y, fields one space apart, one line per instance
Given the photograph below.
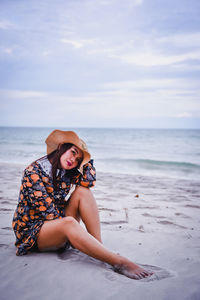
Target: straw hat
x=58 y=137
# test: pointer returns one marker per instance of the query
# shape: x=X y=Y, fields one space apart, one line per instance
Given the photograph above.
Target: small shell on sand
x=141 y=228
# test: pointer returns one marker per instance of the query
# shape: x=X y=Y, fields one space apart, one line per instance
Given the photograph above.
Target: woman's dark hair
x=54 y=158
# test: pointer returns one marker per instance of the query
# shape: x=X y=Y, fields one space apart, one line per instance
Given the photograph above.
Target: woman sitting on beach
x=44 y=220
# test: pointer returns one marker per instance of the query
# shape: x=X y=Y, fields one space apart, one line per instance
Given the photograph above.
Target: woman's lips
x=69 y=163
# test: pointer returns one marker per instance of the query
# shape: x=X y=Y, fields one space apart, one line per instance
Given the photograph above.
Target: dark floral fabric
x=39 y=201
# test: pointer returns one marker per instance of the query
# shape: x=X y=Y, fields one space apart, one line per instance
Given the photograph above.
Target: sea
x=173 y=153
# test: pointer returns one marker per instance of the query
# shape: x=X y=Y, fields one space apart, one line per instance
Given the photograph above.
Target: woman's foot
x=131 y=270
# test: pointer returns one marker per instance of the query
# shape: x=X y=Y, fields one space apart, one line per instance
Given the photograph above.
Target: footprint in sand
x=4 y=246
x=165 y=222
x=112 y=276
x=7 y=228
x=74 y=255
x=158 y=273
x=6 y=209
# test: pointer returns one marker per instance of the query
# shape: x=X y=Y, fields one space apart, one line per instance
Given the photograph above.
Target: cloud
x=8 y=51
x=137 y=2
x=5 y=25
x=46 y=53
x=191 y=39
x=179 y=84
x=22 y=94
x=79 y=43
x=150 y=50
x=184 y=115
x=82 y=58
x=116 y=104
x=114 y=2
x=149 y=59
x=74 y=43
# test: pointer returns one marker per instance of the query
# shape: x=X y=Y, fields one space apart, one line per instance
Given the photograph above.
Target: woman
x=44 y=220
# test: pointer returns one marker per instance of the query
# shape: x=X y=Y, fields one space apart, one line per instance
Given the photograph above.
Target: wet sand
x=153 y=221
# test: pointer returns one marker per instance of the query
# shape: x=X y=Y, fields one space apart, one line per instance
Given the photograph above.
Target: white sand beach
x=152 y=221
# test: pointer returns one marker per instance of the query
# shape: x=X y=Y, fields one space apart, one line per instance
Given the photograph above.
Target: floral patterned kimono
x=38 y=201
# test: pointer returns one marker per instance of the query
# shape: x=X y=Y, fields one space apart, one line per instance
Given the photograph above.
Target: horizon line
x=71 y=127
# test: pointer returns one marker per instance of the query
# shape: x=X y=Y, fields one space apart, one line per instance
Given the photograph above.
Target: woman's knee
x=79 y=196
x=69 y=221
x=55 y=232
x=71 y=227
x=81 y=192
x=58 y=225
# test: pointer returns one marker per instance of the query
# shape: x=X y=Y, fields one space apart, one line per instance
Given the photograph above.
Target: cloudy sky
x=100 y=63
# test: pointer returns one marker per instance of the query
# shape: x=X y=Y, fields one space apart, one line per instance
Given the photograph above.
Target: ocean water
x=149 y=152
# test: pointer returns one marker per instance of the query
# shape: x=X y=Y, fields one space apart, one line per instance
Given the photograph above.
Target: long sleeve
x=88 y=178
x=38 y=196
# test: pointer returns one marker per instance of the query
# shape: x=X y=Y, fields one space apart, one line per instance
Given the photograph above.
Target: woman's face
x=71 y=158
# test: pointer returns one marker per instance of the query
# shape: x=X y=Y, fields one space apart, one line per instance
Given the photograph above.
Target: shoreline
x=22 y=166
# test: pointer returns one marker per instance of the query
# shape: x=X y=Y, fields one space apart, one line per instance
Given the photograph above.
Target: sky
x=100 y=63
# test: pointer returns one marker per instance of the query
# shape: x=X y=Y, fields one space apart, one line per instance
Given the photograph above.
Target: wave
x=153 y=163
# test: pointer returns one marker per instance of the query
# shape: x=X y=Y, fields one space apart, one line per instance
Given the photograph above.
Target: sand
x=152 y=221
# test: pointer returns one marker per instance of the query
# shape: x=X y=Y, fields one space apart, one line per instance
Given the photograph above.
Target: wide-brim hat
x=59 y=137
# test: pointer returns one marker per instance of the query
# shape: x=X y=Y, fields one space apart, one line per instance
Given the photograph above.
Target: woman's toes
x=135 y=276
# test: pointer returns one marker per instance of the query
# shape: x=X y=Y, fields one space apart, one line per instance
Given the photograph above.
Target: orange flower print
x=50 y=217
x=42 y=208
x=28 y=184
x=85 y=184
x=25 y=218
x=48 y=200
x=45 y=179
x=35 y=177
x=37 y=194
x=63 y=185
x=49 y=189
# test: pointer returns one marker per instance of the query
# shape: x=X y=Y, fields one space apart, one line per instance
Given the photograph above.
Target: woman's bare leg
x=83 y=205
x=56 y=232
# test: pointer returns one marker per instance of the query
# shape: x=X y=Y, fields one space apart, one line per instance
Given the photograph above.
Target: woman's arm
x=38 y=196
x=88 y=178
